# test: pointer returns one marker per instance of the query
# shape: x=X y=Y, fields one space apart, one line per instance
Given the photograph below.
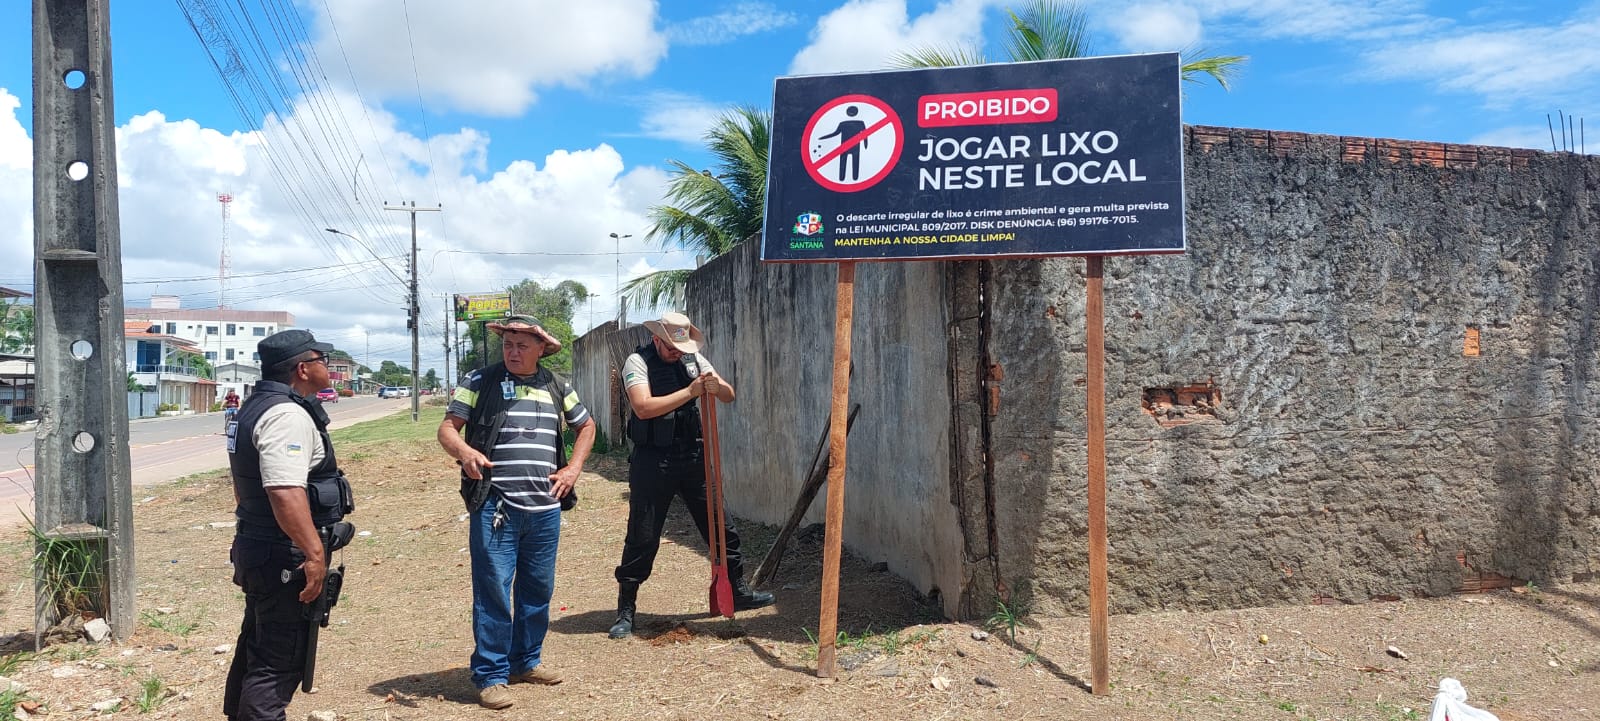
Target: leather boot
x=627 y=597
x=746 y=598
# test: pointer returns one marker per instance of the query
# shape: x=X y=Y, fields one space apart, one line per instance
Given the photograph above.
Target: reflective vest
x=327 y=491
x=679 y=427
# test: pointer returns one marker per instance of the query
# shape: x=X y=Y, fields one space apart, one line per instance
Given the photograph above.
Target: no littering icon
x=852 y=142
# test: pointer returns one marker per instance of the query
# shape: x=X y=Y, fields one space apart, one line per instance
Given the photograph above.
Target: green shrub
x=164 y=407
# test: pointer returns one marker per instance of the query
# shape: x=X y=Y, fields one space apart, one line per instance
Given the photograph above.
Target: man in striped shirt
x=513 y=488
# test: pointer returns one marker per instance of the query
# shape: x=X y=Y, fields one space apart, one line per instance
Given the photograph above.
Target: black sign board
x=1058 y=157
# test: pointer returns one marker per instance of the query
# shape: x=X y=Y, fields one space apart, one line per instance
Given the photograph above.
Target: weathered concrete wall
x=769 y=329
x=1350 y=448
x=1357 y=451
x=591 y=378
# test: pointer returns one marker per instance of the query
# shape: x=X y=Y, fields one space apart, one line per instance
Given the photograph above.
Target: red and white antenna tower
x=222 y=278
x=222 y=267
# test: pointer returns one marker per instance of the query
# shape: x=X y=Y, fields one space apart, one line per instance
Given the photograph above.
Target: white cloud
x=866 y=34
x=745 y=18
x=1323 y=19
x=1156 y=27
x=16 y=197
x=1505 y=66
x=675 y=116
x=553 y=214
x=488 y=56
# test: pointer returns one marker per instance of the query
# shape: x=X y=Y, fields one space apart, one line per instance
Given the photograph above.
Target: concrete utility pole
x=449 y=314
x=412 y=319
x=83 y=485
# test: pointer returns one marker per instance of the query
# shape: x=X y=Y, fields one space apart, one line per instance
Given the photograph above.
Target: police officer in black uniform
x=664 y=381
x=289 y=488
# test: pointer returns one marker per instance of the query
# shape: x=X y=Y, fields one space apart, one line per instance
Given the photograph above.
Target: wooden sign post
x=1095 y=413
x=833 y=533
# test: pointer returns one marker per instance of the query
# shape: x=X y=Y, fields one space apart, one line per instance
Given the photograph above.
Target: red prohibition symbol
x=852 y=142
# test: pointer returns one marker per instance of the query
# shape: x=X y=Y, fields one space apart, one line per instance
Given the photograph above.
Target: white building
x=225 y=336
x=160 y=361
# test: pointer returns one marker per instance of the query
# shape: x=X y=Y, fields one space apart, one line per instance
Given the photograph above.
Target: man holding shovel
x=664 y=381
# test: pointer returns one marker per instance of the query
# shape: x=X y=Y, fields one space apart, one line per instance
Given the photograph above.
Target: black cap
x=287 y=344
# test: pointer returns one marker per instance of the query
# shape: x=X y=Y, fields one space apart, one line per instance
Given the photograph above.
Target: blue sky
x=543 y=126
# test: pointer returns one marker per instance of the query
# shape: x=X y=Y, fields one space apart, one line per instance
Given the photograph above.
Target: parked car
x=328 y=395
x=389 y=392
x=405 y=391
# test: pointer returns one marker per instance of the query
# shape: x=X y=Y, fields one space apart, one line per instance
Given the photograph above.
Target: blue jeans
x=515 y=563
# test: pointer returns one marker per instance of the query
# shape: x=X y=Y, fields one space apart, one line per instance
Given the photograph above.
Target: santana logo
x=808 y=224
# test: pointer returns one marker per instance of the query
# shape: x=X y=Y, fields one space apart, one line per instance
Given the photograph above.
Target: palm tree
x=1056 y=30
x=706 y=211
x=16 y=328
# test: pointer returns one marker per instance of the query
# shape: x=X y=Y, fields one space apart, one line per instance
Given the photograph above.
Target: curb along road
x=159 y=461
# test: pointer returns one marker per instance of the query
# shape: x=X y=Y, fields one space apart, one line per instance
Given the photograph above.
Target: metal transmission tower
x=83 y=498
x=411 y=314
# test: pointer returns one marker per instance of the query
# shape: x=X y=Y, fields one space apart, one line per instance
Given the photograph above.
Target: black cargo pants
x=655 y=475
x=269 y=657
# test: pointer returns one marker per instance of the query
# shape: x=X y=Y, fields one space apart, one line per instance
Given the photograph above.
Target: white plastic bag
x=1451 y=704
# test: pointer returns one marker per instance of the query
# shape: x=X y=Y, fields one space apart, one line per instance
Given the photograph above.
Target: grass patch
x=1031 y=657
x=1391 y=712
x=889 y=643
x=397 y=427
x=1007 y=617
x=74 y=652
x=152 y=693
x=9 y=664
x=176 y=625
x=203 y=478
x=9 y=700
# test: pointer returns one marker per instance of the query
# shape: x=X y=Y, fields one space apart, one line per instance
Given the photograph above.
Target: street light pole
x=619 y=238
x=411 y=304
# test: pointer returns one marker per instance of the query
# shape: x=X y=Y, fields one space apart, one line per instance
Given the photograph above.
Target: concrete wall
x=595 y=359
x=591 y=377
x=769 y=329
x=1358 y=450
x=1293 y=415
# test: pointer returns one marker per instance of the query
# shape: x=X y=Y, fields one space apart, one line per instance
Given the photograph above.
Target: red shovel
x=717 y=534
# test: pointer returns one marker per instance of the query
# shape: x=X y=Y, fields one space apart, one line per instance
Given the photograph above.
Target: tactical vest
x=327 y=491
x=679 y=427
x=489 y=415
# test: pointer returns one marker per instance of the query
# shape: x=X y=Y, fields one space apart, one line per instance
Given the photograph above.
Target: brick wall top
x=1203 y=138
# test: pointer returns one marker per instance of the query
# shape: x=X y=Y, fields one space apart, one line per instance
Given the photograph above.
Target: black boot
x=627 y=596
x=746 y=598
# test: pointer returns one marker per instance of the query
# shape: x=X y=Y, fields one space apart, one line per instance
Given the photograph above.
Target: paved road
x=162 y=449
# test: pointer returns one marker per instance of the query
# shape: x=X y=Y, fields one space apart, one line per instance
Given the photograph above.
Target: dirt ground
x=401 y=636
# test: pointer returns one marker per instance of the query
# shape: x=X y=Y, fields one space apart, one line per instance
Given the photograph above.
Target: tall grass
x=69 y=571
